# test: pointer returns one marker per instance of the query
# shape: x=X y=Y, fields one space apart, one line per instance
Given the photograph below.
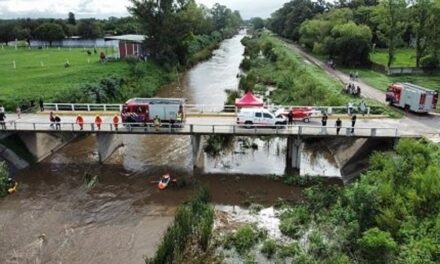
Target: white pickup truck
x=259 y=117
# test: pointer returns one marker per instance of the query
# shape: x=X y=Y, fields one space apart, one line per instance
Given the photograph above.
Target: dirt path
x=367 y=91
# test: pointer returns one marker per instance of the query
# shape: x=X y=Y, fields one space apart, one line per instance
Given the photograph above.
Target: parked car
x=300 y=113
x=259 y=117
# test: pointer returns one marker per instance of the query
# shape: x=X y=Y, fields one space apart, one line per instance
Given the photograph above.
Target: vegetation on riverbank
x=188 y=237
x=390 y=215
x=297 y=82
x=3 y=179
x=269 y=62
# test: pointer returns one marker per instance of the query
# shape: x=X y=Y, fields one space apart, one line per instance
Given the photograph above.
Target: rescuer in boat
x=11 y=185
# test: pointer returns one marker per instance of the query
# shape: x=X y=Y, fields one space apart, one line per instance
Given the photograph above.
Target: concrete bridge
x=38 y=134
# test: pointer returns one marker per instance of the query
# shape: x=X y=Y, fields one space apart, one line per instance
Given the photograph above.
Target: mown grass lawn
x=381 y=81
x=41 y=73
x=404 y=57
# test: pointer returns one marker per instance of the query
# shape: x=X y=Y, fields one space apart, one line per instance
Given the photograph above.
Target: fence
x=206 y=108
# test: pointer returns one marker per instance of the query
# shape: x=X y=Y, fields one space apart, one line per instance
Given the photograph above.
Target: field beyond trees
x=42 y=73
x=403 y=57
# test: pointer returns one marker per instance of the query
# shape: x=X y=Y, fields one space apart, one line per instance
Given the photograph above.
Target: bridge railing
x=83 y=107
x=202 y=108
x=142 y=128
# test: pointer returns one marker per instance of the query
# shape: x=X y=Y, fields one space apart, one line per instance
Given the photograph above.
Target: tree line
x=50 y=29
x=176 y=29
x=349 y=30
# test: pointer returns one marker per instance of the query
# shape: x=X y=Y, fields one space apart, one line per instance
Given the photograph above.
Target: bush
x=245 y=238
x=429 y=63
x=3 y=179
x=294 y=220
x=377 y=246
x=269 y=248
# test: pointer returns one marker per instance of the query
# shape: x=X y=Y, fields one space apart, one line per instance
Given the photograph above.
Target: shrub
x=269 y=248
x=377 y=246
x=3 y=179
x=429 y=63
x=293 y=220
x=245 y=238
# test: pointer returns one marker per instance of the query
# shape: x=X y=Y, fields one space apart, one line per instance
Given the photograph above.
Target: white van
x=259 y=117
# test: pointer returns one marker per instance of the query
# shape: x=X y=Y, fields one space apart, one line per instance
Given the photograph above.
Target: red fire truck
x=412 y=97
x=145 y=110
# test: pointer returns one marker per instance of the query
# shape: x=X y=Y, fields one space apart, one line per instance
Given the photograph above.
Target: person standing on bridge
x=338 y=125
x=18 y=112
x=80 y=122
x=2 y=109
x=51 y=119
x=116 y=121
x=41 y=104
x=290 y=118
x=98 y=122
x=2 y=120
x=156 y=122
x=57 y=120
x=353 y=122
x=324 y=123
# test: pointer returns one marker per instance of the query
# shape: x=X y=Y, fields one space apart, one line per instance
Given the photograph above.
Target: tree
x=49 y=32
x=420 y=13
x=287 y=20
x=390 y=15
x=6 y=32
x=71 y=19
x=351 y=43
x=257 y=23
x=171 y=25
x=89 y=29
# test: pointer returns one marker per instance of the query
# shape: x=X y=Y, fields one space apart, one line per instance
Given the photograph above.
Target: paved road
x=412 y=121
x=224 y=125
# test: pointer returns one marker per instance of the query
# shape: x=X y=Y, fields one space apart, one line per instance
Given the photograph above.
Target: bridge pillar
x=196 y=142
x=108 y=143
x=293 y=153
x=42 y=145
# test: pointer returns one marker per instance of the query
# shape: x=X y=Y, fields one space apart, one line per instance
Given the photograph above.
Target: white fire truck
x=412 y=97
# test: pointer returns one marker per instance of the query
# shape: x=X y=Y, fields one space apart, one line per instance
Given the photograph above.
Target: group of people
x=98 y=122
x=362 y=108
x=331 y=63
x=338 y=124
x=352 y=89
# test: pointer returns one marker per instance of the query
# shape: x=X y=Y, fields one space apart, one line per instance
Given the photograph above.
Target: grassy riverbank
x=188 y=237
x=389 y=215
x=269 y=62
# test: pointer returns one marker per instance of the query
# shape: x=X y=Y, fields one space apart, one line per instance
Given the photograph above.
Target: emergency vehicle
x=259 y=117
x=145 y=110
x=412 y=97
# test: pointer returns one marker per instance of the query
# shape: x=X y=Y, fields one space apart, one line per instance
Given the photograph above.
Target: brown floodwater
x=55 y=218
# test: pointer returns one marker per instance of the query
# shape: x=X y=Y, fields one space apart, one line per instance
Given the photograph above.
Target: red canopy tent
x=248 y=100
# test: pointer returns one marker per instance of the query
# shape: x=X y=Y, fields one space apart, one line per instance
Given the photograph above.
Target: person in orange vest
x=116 y=121
x=80 y=121
x=98 y=122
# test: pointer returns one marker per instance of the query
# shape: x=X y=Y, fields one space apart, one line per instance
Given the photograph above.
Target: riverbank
x=294 y=80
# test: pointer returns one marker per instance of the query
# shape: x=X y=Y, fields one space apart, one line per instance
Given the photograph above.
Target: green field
x=381 y=81
x=41 y=73
x=404 y=57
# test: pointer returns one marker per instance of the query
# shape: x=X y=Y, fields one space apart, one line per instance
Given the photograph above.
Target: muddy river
x=56 y=218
